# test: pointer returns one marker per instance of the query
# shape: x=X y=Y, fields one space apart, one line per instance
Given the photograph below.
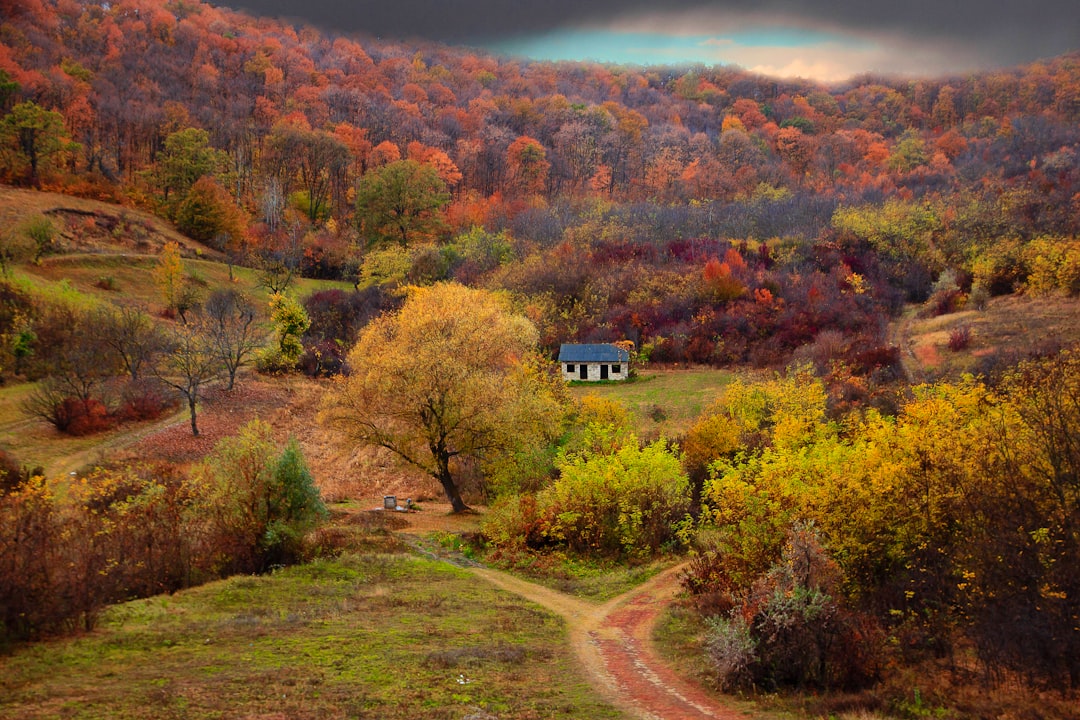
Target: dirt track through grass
x=613 y=643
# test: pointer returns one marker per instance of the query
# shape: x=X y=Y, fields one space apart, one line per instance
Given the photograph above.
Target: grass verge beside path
x=366 y=636
x=678 y=639
x=591 y=580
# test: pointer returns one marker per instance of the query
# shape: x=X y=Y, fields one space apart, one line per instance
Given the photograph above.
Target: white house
x=594 y=362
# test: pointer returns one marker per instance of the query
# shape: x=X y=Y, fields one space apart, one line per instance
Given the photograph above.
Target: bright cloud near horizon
x=777 y=46
x=826 y=40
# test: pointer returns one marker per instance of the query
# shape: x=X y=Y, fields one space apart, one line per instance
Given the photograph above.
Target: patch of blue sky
x=642 y=48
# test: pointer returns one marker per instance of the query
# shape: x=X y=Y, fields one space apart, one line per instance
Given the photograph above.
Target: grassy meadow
x=663 y=402
x=380 y=634
x=127 y=278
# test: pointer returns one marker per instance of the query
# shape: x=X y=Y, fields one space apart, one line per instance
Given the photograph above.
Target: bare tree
x=275 y=275
x=46 y=401
x=189 y=364
x=78 y=360
x=77 y=365
x=232 y=323
x=272 y=203
x=132 y=336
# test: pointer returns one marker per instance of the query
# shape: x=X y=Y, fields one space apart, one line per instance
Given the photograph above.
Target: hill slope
x=91 y=226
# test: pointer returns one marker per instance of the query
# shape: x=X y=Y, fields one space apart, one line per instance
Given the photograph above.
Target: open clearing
x=1010 y=327
x=664 y=402
x=92 y=226
x=126 y=278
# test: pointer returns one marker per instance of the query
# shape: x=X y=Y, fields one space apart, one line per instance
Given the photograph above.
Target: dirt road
x=613 y=643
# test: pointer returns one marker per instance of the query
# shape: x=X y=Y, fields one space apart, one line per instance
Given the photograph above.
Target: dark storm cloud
x=1009 y=30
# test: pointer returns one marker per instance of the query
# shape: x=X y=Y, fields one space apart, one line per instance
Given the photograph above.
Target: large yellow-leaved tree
x=454 y=374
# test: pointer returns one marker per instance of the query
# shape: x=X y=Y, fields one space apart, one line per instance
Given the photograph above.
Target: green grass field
x=128 y=278
x=382 y=635
x=663 y=402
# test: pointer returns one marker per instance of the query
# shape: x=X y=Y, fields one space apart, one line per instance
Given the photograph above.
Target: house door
x=603 y=372
x=584 y=374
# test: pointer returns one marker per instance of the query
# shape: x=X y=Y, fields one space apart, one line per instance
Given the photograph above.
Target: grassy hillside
x=375 y=635
x=104 y=254
x=1008 y=329
x=106 y=251
x=126 y=278
x=92 y=226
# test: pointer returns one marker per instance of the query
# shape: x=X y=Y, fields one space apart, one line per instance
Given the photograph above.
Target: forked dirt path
x=614 y=644
x=612 y=641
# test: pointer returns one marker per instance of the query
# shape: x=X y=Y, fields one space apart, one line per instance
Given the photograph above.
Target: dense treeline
x=346 y=158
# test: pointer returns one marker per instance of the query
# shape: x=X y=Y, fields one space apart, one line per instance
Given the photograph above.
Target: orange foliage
x=436 y=158
x=731 y=122
x=721 y=284
x=384 y=153
x=356 y=140
x=601 y=179
x=749 y=112
x=528 y=165
x=952 y=144
x=472 y=209
x=734 y=261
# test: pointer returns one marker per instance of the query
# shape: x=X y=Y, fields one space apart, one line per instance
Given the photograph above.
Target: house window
x=616 y=369
x=569 y=367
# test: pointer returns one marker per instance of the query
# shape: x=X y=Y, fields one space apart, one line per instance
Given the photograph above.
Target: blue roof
x=598 y=352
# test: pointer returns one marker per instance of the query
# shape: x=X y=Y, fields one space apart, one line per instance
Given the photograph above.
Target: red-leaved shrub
x=144 y=400
x=959 y=338
x=83 y=417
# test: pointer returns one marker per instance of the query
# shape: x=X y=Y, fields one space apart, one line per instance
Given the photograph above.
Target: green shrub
x=42 y=232
x=625 y=500
x=731 y=650
x=255 y=505
x=293 y=506
x=290 y=322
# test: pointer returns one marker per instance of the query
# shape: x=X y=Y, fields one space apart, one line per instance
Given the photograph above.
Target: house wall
x=594 y=371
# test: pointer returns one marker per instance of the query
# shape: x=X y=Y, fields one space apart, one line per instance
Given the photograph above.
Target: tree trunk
x=191 y=407
x=448 y=484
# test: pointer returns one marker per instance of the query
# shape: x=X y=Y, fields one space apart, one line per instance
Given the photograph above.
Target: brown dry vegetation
x=1009 y=328
x=89 y=226
x=290 y=405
